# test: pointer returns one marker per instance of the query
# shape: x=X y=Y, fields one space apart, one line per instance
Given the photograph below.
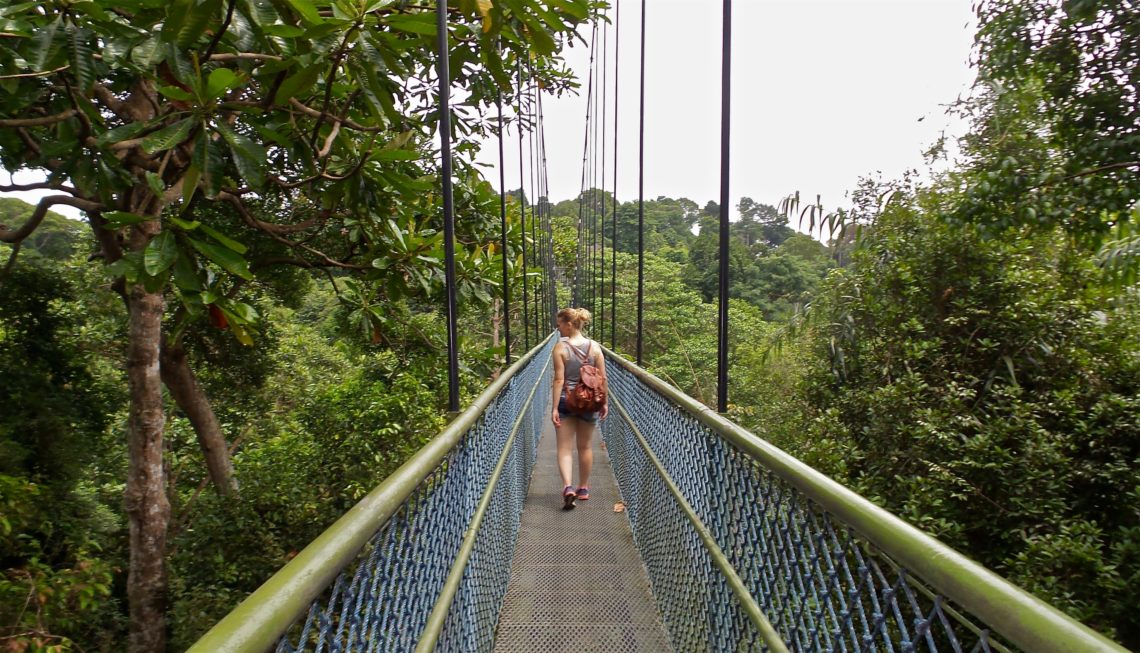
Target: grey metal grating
x=563 y=579
x=577 y=584
x=581 y=638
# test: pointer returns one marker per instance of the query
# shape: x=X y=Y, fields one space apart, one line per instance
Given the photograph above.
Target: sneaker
x=583 y=493
x=568 y=497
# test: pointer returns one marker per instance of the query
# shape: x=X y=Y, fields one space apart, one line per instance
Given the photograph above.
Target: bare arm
x=559 y=381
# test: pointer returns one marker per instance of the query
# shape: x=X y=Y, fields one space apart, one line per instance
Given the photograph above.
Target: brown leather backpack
x=590 y=394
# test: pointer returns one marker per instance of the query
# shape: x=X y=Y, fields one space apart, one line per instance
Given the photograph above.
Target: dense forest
x=245 y=333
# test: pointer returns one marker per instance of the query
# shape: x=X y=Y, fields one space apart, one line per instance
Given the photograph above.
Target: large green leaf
x=208 y=160
x=187 y=20
x=296 y=84
x=160 y=253
x=244 y=312
x=121 y=133
x=227 y=259
x=284 y=31
x=176 y=14
x=422 y=23
x=220 y=81
x=168 y=136
x=82 y=58
x=186 y=274
x=46 y=45
x=541 y=40
x=224 y=239
x=249 y=157
x=396 y=155
x=261 y=12
x=574 y=8
x=306 y=10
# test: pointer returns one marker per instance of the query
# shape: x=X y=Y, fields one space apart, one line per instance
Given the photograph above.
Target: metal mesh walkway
x=745 y=548
x=577 y=581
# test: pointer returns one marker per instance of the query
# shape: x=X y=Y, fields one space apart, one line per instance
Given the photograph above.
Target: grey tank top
x=574 y=362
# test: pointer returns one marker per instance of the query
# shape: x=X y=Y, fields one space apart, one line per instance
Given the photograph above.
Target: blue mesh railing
x=423 y=561
x=749 y=549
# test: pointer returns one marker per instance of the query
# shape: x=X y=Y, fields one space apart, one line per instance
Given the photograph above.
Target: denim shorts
x=563 y=411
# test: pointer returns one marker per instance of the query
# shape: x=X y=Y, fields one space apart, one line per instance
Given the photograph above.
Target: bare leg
x=585 y=451
x=565 y=436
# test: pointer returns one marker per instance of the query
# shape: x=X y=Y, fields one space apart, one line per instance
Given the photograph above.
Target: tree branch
x=38 y=122
x=29 y=141
x=11 y=261
x=104 y=95
x=267 y=227
x=44 y=185
x=221 y=31
x=179 y=379
x=327 y=147
x=17 y=235
x=43 y=73
x=309 y=111
x=243 y=56
x=1104 y=168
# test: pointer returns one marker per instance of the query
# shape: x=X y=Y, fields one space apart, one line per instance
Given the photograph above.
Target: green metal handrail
x=1022 y=618
x=433 y=629
x=747 y=603
x=266 y=614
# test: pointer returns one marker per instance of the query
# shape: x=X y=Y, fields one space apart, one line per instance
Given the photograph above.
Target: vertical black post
x=448 y=208
x=534 y=198
x=594 y=218
x=522 y=219
x=503 y=248
x=613 y=238
x=641 y=194
x=722 y=321
x=552 y=298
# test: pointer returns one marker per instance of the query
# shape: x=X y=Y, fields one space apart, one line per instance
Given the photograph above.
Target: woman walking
x=572 y=351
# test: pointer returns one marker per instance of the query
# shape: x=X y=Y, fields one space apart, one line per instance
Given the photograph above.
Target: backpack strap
x=585 y=360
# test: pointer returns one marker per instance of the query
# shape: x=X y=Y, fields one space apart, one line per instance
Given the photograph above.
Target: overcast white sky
x=823 y=91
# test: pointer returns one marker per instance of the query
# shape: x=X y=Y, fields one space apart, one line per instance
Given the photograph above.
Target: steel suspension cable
x=552 y=305
x=641 y=193
x=614 y=217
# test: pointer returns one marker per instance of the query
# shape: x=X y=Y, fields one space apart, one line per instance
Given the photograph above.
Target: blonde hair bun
x=579 y=317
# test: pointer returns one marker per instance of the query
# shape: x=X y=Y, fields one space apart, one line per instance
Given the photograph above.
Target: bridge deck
x=577 y=582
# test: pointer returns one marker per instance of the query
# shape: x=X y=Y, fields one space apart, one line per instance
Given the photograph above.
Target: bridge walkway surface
x=578 y=584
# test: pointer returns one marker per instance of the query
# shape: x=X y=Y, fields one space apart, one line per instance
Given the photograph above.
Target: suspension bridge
x=699 y=536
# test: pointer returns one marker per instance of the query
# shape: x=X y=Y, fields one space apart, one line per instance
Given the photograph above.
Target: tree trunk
x=147 y=505
x=184 y=388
